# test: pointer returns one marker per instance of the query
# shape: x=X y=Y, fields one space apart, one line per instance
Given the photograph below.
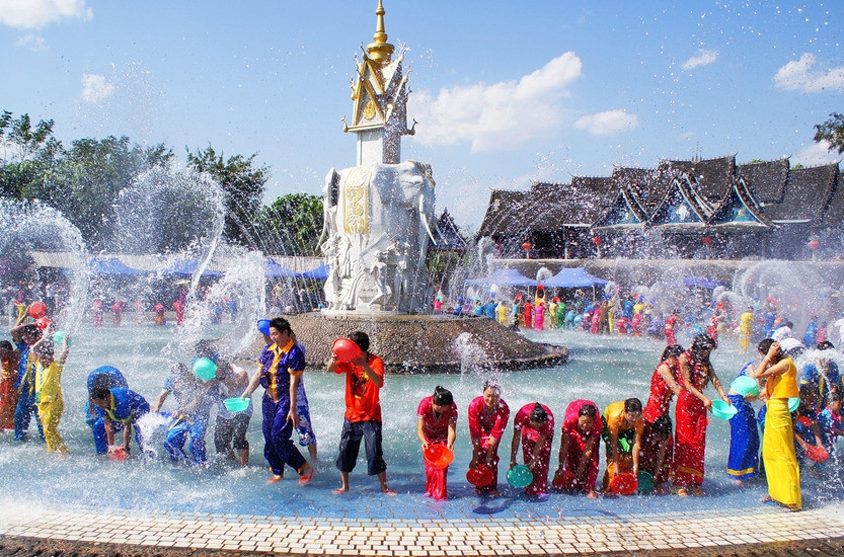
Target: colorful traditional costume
x=8 y=395
x=435 y=428
x=287 y=361
x=615 y=424
x=659 y=404
x=530 y=436
x=50 y=401
x=778 y=453
x=690 y=429
x=485 y=425
x=577 y=440
x=743 y=462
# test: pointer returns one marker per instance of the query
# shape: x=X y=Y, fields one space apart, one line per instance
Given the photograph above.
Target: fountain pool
x=603 y=368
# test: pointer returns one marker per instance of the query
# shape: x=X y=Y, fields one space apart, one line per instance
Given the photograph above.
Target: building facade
x=696 y=209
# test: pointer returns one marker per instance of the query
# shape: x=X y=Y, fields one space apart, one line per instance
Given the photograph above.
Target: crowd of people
x=800 y=420
x=626 y=313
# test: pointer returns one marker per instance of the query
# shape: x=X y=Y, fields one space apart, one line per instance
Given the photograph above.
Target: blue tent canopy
x=113 y=267
x=573 y=278
x=504 y=277
x=320 y=273
x=274 y=270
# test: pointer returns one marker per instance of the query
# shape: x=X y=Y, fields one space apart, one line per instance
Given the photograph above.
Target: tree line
x=84 y=181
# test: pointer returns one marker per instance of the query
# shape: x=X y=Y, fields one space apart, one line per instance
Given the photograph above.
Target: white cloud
x=704 y=58
x=816 y=154
x=611 y=122
x=33 y=42
x=801 y=75
x=34 y=14
x=95 y=88
x=500 y=116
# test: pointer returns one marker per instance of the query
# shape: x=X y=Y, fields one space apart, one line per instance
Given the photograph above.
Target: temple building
x=700 y=209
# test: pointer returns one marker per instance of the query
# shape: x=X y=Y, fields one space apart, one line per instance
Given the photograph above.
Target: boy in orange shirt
x=362 y=420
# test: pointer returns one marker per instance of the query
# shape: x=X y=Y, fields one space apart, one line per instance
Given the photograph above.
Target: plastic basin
x=479 y=476
x=438 y=456
x=205 y=369
x=236 y=404
x=722 y=410
x=519 y=476
x=624 y=484
x=346 y=350
x=745 y=385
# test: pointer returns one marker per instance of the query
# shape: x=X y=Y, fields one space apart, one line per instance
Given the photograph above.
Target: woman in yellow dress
x=778 y=453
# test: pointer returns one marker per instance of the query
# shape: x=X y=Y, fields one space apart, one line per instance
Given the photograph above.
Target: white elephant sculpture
x=378 y=220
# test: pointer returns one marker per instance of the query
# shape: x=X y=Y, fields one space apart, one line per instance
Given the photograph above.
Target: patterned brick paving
x=717 y=533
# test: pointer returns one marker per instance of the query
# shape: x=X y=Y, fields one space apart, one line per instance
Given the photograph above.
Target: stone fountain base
x=426 y=343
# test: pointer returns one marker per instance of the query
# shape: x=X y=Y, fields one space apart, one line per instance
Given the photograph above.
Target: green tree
x=21 y=142
x=243 y=187
x=832 y=131
x=292 y=224
x=86 y=182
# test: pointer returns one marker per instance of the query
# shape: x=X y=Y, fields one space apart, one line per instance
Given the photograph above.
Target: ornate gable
x=626 y=210
x=681 y=205
x=739 y=208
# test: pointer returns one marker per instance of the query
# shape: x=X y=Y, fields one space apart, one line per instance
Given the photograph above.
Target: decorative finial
x=380 y=50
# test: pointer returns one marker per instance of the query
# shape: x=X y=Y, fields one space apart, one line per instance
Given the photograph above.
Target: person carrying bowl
x=436 y=424
x=533 y=428
x=488 y=416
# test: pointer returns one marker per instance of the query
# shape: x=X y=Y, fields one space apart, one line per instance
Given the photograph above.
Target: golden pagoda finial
x=380 y=50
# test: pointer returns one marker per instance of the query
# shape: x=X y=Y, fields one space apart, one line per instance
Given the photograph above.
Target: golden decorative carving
x=355 y=200
x=369 y=109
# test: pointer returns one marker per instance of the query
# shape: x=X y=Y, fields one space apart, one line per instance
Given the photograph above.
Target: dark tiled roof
x=766 y=179
x=575 y=204
x=450 y=233
x=505 y=213
x=834 y=214
x=648 y=184
x=712 y=176
x=807 y=193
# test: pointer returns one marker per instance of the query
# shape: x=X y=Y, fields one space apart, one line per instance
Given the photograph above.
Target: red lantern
x=706 y=240
x=814 y=244
x=526 y=246
x=597 y=241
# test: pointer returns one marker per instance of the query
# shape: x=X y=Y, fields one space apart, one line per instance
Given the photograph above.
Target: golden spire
x=380 y=50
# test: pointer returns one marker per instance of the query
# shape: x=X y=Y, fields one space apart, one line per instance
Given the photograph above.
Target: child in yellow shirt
x=48 y=389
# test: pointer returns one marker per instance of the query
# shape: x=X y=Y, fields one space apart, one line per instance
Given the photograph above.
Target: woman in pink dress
x=436 y=425
x=579 y=449
x=533 y=428
x=488 y=416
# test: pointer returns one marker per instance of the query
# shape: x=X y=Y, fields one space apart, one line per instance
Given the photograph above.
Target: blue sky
x=505 y=92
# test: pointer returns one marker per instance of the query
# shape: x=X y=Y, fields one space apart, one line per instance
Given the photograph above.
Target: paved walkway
x=480 y=536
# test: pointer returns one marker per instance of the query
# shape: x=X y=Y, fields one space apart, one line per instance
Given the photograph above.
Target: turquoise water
x=602 y=368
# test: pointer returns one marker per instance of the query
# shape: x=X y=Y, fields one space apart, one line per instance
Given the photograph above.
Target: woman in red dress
x=690 y=438
x=657 y=445
x=579 y=450
x=436 y=425
x=533 y=428
x=488 y=416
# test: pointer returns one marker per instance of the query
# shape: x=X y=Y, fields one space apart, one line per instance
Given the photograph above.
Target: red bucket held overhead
x=38 y=310
x=346 y=350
